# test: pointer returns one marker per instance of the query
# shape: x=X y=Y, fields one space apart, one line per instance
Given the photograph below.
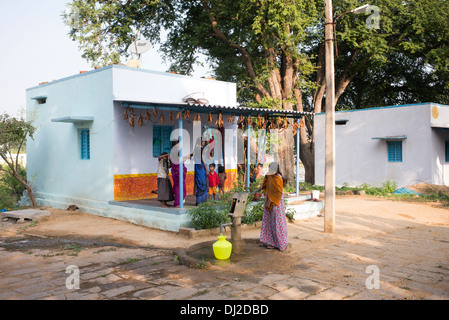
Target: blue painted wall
x=55 y=166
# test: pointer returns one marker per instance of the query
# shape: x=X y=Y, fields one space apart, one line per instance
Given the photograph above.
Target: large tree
x=273 y=49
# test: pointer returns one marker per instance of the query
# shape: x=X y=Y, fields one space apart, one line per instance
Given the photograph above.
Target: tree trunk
x=27 y=187
x=307 y=156
x=33 y=203
x=286 y=155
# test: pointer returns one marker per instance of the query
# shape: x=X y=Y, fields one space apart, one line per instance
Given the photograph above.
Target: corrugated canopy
x=201 y=108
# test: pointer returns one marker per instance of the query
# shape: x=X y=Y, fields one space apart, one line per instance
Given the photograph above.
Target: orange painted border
x=140 y=186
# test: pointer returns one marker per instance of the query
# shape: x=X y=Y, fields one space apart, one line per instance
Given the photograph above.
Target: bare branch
x=246 y=57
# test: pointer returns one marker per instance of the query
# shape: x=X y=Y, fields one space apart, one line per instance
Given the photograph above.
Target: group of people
x=208 y=183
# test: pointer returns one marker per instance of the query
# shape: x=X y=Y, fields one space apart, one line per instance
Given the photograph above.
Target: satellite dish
x=140 y=46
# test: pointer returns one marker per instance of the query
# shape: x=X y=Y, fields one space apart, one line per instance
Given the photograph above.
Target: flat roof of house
x=117 y=66
x=194 y=107
x=388 y=107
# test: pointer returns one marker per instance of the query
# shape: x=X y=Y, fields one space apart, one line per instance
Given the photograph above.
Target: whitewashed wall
x=160 y=87
x=361 y=159
x=54 y=164
x=133 y=147
x=133 y=151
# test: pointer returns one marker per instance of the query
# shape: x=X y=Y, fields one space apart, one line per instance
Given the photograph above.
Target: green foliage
x=13 y=135
x=209 y=214
x=7 y=200
x=386 y=188
x=273 y=50
x=105 y=29
x=253 y=212
x=221 y=28
x=11 y=183
x=10 y=188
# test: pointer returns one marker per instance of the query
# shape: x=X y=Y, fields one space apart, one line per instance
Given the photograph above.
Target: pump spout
x=224 y=225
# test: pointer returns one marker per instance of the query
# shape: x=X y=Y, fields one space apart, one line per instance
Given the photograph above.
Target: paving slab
x=27 y=214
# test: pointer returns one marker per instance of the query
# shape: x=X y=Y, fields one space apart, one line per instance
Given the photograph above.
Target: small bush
x=7 y=199
x=386 y=188
x=10 y=188
x=253 y=213
x=209 y=214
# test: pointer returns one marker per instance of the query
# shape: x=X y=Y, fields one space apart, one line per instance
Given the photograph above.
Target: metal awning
x=73 y=119
x=391 y=138
x=200 y=108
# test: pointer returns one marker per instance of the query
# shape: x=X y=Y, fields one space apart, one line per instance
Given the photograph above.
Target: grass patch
x=73 y=250
x=131 y=260
x=386 y=190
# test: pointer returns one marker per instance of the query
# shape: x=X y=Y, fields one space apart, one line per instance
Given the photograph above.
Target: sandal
x=266 y=246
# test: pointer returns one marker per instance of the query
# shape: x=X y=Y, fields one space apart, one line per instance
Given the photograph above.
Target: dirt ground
x=357 y=217
x=407 y=240
x=426 y=189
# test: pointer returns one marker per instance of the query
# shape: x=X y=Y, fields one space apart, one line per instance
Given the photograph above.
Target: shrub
x=253 y=213
x=7 y=199
x=209 y=214
x=386 y=188
x=10 y=182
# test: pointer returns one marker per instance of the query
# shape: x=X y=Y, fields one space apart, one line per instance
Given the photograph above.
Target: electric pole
x=329 y=199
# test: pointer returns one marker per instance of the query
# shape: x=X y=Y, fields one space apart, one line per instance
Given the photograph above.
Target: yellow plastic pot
x=222 y=248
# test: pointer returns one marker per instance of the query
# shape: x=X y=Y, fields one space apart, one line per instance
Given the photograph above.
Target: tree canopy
x=273 y=50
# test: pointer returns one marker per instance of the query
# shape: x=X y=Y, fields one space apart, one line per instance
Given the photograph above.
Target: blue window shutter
x=157 y=141
x=85 y=144
x=166 y=143
x=394 y=151
x=161 y=140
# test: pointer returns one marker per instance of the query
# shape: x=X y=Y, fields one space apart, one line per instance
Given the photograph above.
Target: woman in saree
x=176 y=172
x=201 y=181
x=273 y=233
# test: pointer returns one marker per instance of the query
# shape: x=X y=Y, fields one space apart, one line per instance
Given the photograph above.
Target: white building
x=407 y=144
x=86 y=152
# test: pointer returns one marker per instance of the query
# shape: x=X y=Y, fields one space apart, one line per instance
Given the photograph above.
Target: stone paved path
x=332 y=268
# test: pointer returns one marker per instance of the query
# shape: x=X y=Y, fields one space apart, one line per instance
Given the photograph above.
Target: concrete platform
x=27 y=214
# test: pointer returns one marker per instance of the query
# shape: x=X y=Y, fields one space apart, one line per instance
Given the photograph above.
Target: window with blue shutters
x=394 y=151
x=85 y=144
x=161 y=140
x=447 y=151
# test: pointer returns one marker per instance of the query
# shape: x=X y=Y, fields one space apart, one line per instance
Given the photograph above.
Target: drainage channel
x=28 y=243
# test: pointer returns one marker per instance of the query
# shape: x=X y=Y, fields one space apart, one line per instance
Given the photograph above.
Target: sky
x=35 y=47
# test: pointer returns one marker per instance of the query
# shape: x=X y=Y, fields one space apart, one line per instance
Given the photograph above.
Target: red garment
x=213 y=179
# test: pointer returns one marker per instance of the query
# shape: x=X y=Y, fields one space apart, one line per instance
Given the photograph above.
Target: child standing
x=221 y=180
x=213 y=181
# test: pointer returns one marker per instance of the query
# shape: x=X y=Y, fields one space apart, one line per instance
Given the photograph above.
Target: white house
x=86 y=152
x=406 y=144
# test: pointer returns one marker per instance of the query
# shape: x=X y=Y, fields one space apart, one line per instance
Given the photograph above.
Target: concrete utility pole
x=329 y=180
